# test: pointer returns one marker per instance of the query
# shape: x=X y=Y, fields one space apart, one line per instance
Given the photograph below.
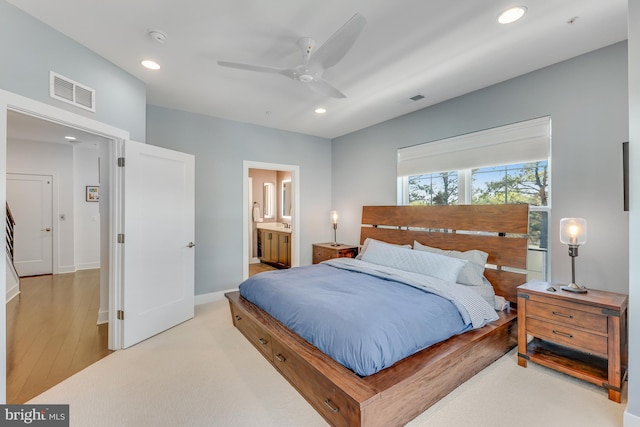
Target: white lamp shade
x=573 y=231
x=334 y=217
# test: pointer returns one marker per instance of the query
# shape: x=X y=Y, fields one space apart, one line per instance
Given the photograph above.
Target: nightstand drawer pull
x=562 y=334
x=238 y=317
x=331 y=406
x=262 y=341
x=557 y=313
x=280 y=357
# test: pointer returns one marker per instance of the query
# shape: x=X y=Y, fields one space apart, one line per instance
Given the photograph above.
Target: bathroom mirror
x=267 y=199
x=286 y=199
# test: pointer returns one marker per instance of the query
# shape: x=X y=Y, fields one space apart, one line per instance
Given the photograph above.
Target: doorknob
x=46 y=229
x=191 y=244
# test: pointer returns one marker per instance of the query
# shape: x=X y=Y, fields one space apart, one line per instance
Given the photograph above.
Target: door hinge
x=120 y=238
x=120 y=315
x=120 y=162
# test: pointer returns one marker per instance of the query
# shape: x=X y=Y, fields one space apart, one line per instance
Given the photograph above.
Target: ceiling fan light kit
x=315 y=63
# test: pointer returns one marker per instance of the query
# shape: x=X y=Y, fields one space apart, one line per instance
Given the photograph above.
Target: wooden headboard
x=499 y=230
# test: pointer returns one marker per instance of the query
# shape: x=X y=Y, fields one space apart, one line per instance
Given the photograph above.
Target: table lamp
x=573 y=232
x=334 y=221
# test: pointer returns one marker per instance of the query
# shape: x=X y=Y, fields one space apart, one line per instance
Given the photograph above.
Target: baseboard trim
x=65 y=269
x=211 y=297
x=103 y=317
x=630 y=420
x=88 y=266
x=12 y=293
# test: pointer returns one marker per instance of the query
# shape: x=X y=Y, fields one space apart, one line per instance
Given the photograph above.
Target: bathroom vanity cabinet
x=275 y=248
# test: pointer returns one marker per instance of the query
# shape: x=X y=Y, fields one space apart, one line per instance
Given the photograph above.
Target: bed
x=398 y=393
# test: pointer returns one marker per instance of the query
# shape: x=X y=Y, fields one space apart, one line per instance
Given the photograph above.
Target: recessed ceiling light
x=152 y=65
x=70 y=138
x=512 y=14
x=320 y=110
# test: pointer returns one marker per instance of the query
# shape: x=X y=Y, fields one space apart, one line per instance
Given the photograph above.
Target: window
x=509 y=184
x=523 y=177
x=434 y=189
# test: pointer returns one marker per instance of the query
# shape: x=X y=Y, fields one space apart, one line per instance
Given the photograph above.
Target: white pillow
x=427 y=263
x=365 y=245
x=471 y=274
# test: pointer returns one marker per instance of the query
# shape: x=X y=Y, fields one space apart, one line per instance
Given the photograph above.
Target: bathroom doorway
x=270 y=198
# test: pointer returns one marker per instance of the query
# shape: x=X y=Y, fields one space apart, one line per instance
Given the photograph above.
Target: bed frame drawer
x=331 y=402
x=254 y=333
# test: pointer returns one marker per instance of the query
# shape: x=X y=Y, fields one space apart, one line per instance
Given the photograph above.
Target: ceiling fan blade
x=258 y=68
x=334 y=49
x=323 y=87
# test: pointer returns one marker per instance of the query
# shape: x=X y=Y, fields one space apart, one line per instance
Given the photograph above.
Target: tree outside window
x=505 y=184
x=517 y=183
x=434 y=189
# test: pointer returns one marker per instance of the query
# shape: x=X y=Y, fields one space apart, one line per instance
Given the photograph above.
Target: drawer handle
x=562 y=334
x=331 y=406
x=238 y=317
x=281 y=358
x=557 y=313
x=262 y=341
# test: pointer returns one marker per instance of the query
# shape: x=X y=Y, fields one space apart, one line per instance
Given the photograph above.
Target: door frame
x=295 y=220
x=21 y=104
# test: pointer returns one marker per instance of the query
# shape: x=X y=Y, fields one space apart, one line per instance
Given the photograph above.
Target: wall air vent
x=65 y=89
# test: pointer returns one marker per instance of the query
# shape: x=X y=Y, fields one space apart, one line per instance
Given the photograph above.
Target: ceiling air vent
x=65 y=89
x=417 y=97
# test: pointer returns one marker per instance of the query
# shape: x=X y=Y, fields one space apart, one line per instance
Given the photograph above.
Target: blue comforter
x=362 y=321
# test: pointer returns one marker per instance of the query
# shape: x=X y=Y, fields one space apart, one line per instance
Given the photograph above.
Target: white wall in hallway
x=87 y=214
x=72 y=168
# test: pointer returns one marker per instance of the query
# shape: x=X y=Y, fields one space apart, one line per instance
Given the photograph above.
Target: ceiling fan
x=313 y=65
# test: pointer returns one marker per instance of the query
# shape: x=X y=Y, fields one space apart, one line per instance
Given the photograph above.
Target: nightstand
x=582 y=335
x=325 y=251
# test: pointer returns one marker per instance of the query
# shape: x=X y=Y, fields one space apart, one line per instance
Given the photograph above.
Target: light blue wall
x=30 y=49
x=632 y=418
x=220 y=148
x=587 y=100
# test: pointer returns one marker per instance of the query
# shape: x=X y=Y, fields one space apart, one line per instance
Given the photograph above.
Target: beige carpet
x=205 y=373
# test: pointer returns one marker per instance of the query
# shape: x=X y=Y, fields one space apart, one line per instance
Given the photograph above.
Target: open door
x=158 y=249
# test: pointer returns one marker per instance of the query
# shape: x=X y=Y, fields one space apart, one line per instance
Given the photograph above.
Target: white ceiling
x=430 y=47
x=23 y=127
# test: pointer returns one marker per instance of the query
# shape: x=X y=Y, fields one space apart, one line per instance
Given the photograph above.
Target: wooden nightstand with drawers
x=582 y=335
x=325 y=251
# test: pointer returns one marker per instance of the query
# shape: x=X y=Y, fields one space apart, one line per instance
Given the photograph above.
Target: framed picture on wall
x=93 y=193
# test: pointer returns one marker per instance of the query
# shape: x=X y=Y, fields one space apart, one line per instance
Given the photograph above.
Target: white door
x=159 y=223
x=30 y=200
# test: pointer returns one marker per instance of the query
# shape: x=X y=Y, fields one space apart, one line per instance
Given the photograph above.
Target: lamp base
x=335 y=244
x=572 y=287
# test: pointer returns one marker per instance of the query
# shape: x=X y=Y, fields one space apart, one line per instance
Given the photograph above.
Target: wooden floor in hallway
x=259 y=268
x=52 y=332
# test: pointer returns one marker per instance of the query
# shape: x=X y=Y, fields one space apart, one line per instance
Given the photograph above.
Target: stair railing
x=10 y=226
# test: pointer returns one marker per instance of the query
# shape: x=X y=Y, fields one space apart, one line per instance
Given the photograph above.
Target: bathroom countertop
x=273 y=226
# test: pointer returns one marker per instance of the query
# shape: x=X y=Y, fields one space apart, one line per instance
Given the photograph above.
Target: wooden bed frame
x=396 y=395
